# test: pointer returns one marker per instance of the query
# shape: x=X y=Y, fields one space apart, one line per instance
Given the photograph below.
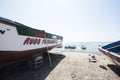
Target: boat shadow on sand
x=114 y=68
x=23 y=72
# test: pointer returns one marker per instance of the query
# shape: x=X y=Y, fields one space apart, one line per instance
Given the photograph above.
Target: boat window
x=55 y=37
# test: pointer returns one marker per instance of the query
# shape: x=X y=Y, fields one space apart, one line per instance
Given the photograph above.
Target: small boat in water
x=113 y=51
x=18 y=41
x=83 y=47
x=60 y=46
x=70 y=47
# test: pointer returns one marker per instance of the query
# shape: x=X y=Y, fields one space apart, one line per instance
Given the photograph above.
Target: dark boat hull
x=9 y=56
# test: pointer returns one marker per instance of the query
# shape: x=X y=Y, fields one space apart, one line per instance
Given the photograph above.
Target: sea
x=91 y=47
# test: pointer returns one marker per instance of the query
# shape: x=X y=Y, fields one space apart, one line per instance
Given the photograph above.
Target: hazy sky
x=75 y=20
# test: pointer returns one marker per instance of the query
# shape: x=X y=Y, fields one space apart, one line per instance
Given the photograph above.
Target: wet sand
x=66 y=66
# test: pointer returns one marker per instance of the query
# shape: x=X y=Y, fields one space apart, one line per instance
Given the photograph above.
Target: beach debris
x=73 y=75
x=92 y=58
x=89 y=55
x=103 y=67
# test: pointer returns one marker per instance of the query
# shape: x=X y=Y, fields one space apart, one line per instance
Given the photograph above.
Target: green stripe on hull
x=49 y=35
x=27 y=31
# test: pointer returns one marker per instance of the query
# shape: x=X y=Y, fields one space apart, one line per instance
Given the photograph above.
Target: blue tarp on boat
x=113 y=47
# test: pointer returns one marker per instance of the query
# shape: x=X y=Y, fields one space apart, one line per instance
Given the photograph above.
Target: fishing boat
x=112 y=50
x=60 y=46
x=18 y=41
x=70 y=47
x=83 y=47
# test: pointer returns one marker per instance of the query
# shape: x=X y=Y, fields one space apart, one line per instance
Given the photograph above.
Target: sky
x=75 y=20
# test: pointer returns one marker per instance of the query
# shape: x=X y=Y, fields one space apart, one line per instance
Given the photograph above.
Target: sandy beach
x=68 y=65
x=76 y=66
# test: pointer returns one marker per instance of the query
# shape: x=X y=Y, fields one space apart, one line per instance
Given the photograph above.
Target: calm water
x=90 y=46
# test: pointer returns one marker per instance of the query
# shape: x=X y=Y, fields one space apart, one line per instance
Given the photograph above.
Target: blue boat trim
x=112 y=50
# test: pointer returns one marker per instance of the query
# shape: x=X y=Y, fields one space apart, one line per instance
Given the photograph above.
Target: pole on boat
x=49 y=57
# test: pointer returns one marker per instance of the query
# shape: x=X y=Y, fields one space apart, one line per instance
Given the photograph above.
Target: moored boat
x=70 y=47
x=18 y=41
x=113 y=51
x=60 y=46
x=83 y=47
